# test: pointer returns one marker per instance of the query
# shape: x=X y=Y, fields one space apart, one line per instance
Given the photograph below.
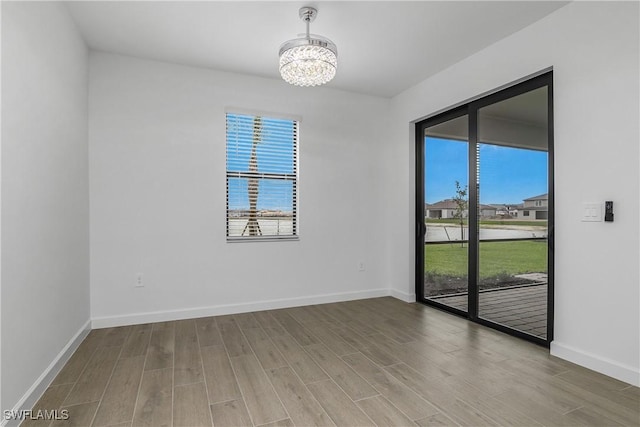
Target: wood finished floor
x=369 y=362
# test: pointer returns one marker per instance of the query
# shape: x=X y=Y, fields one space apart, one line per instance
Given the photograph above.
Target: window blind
x=262 y=174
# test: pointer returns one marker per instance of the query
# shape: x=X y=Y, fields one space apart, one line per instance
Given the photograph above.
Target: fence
x=269 y=226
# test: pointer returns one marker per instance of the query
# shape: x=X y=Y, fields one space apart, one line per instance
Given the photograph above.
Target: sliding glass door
x=446 y=150
x=484 y=210
x=513 y=197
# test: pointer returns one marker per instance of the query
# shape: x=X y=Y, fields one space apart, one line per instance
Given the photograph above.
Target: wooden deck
x=522 y=308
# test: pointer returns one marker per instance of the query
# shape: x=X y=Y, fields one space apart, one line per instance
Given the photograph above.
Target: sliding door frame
x=471 y=109
x=421 y=228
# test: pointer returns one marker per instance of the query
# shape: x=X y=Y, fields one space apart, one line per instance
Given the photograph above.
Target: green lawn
x=496 y=258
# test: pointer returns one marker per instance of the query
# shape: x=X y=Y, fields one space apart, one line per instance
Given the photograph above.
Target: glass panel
x=261 y=144
x=273 y=214
x=513 y=211
x=446 y=213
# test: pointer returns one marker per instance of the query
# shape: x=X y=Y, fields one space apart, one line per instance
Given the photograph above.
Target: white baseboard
x=605 y=366
x=44 y=380
x=218 y=310
x=403 y=296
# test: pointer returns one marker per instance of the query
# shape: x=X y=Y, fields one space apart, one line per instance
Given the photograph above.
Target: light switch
x=591 y=212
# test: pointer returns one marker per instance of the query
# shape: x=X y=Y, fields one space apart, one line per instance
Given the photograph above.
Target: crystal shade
x=308 y=61
x=308 y=65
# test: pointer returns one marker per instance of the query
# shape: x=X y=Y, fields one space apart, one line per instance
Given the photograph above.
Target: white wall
x=593 y=49
x=45 y=193
x=157 y=179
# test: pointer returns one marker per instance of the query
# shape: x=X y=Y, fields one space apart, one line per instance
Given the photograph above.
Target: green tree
x=462 y=205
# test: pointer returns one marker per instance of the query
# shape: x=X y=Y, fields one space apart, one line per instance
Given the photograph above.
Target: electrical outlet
x=139 y=281
x=360 y=265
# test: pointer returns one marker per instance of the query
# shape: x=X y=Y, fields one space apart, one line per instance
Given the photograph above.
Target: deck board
x=522 y=308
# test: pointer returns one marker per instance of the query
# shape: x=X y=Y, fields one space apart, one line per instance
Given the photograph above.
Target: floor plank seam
x=204 y=376
x=297 y=376
x=93 y=419
x=173 y=377
x=265 y=374
x=144 y=365
x=235 y=375
x=328 y=376
x=373 y=386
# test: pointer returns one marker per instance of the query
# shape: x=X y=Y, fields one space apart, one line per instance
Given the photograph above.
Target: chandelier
x=310 y=60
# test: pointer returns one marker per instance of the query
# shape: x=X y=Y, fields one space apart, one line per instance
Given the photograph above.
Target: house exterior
x=506 y=211
x=536 y=207
x=487 y=211
x=447 y=209
x=443 y=209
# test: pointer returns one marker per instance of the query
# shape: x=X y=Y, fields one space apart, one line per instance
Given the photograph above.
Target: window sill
x=263 y=239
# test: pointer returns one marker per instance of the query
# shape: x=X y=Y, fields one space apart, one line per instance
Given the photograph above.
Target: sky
x=275 y=155
x=507 y=175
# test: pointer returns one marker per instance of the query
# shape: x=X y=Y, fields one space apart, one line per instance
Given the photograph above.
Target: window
x=525 y=213
x=262 y=175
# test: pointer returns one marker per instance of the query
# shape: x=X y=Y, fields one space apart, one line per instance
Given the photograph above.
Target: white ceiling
x=384 y=47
